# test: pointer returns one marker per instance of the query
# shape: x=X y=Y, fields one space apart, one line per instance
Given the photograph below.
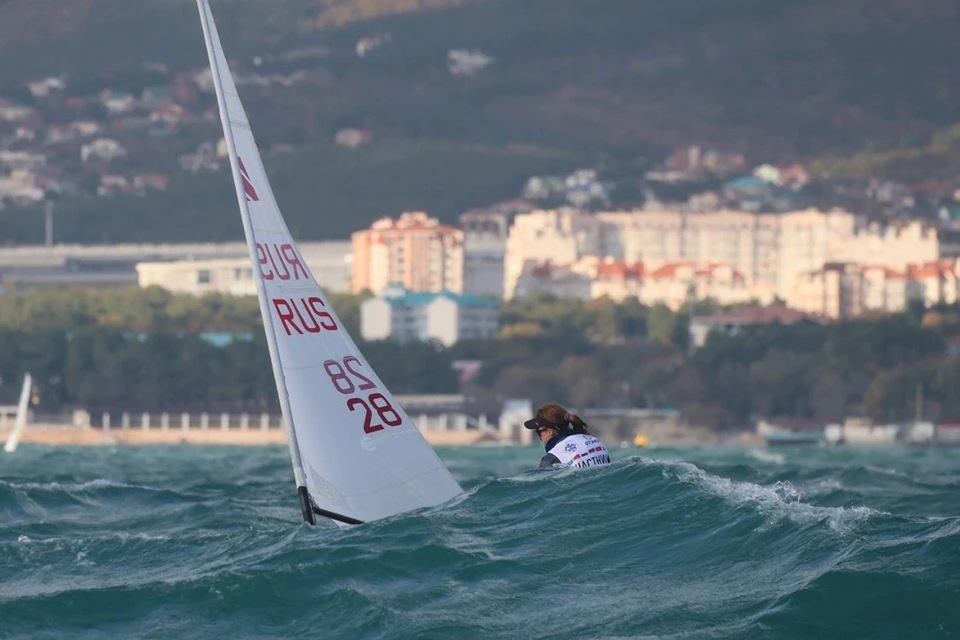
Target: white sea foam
x=823 y=487
x=82 y=560
x=98 y=483
x=767 y=456
x=780 y=500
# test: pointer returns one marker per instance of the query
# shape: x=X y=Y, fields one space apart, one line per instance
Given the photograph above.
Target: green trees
x=151 y=350
x=826 y=372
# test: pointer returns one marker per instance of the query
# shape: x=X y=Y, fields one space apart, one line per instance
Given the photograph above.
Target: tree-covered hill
x=787 y=77
x=614 y=84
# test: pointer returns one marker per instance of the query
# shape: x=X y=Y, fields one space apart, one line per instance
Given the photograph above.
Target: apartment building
x=844 y=290
x=228 y=269
x=415 y=251
x=554 y=237
x=769 y=252
x=448 y=317
x=484 y=247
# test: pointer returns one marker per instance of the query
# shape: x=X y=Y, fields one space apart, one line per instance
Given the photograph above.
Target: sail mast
x=212 y=39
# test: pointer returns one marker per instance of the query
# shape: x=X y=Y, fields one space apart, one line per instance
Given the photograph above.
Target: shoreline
x=68 y=435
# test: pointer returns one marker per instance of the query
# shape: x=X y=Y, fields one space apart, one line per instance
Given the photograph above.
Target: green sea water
x=207 y=542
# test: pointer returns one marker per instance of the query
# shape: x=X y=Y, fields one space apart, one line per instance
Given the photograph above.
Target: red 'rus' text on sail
x=280 y=262
x=299 y=316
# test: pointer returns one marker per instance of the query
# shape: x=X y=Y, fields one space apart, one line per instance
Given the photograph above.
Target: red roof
x=542 y=270
x=620 y=270
x=928 y=270
x=157 y=180
x=890 y=274
x=670 y=270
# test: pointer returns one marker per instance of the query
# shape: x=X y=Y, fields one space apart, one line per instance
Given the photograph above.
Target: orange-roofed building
x=674 y=283
x=561 y=236
x=618 y=280
x=883 y=289
x=414 y=251
x=844 y=290
x=934 y=282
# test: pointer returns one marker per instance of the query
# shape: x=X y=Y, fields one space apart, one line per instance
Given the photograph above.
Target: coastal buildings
x=198 y=277
x=672 y=283
x=415 y=251
x=822 y=263
x=668 y=255
x=189 y=267
x=484 y=247
x=447 y=317
x=845 y=290
x=327 y=261
x=549 y=237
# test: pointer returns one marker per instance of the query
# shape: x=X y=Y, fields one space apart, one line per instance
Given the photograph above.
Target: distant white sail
x=21 y=420
x=356 y=455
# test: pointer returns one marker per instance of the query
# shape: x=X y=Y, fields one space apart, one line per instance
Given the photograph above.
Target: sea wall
x=55 y=434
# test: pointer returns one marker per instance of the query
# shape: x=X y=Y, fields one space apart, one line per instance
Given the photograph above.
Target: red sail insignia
x=248 y=187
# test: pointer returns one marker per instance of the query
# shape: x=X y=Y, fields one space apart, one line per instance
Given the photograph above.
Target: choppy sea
x=205 y=542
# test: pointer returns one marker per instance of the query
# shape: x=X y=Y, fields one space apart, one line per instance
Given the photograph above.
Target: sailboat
x=357 y=456
x=21 y=420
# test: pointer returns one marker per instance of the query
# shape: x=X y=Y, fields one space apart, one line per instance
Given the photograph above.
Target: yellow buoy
x=641 y=440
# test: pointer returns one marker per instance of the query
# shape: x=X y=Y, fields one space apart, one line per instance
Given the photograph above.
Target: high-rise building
x=414 y=251
x=559 y=237
x=484 y=247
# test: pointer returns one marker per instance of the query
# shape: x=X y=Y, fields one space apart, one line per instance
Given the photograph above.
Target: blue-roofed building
x=745 y=187
x=448 y=317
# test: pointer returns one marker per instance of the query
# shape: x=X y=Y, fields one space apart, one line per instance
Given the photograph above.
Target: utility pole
x=48 y=236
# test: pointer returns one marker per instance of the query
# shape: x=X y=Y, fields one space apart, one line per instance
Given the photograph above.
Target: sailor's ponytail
x=559 y=416
x=577 y=424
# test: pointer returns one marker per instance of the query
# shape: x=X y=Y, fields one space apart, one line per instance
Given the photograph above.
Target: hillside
x=795 y=76
x=615 y=83
x=324 y=191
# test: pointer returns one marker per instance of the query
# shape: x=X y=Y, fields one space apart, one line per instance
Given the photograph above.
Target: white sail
x=353 y=447
x=21 y=420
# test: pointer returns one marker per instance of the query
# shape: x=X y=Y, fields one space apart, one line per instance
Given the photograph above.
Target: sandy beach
x=56 y=434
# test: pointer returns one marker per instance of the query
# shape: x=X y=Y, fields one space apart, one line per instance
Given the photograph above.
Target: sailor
x=566 y=439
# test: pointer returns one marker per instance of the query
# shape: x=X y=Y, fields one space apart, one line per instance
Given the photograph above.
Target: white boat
x=790 y=432
x=356 y=454
x=21 y=420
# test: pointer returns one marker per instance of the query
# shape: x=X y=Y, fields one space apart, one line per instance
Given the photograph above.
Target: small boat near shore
x=791 y=432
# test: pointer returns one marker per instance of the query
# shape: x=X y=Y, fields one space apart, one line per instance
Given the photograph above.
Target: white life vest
x=580 y=450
